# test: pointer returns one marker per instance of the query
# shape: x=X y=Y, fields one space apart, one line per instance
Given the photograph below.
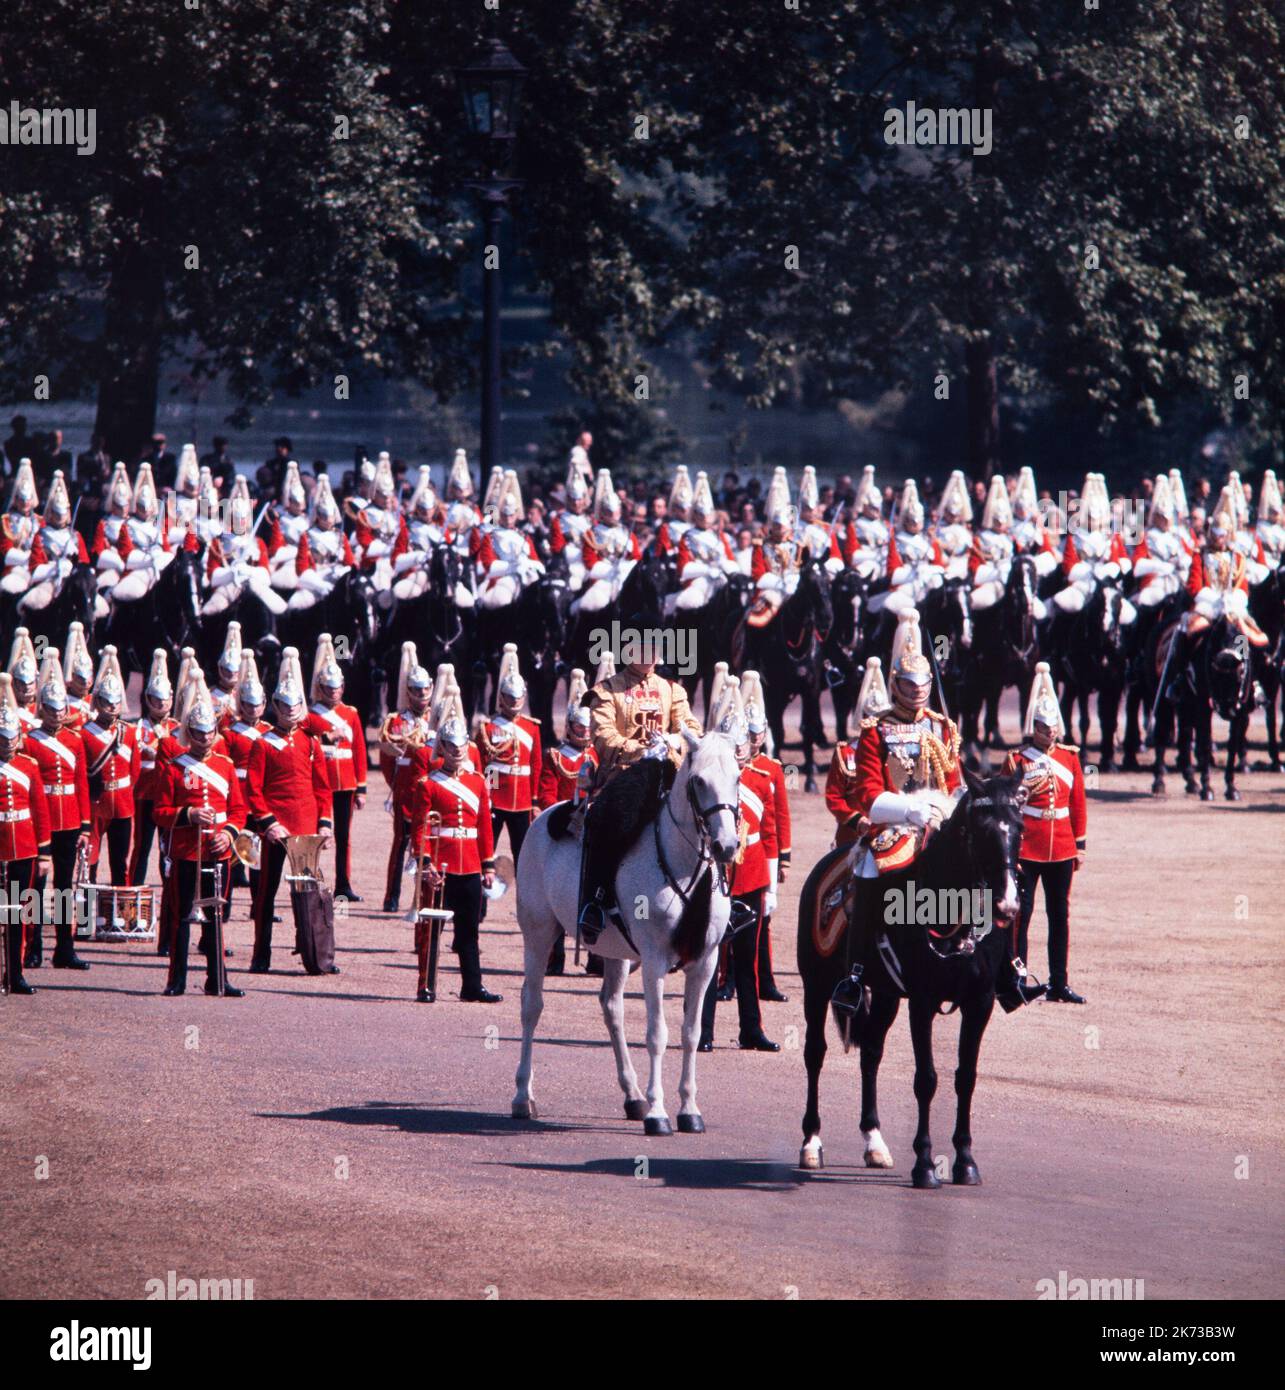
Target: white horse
x=697 y=832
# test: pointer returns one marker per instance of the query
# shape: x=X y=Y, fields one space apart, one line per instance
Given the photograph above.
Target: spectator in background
x=18 y=445
x=729 y=493
x=53 y=458
x=271 y=474
x=1200 y=494
x=827 y=501
x=220 y=464
x=748 y=515
x=164 y=464
x=745 y=547
x=92 y=474
x=979 y=497
x=659 y=510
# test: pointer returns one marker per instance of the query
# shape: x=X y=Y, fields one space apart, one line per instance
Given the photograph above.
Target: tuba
x=248 y=848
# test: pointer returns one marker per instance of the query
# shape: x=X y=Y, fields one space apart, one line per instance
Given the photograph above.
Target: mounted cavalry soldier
x=339 y=729
x=378 y=524
x=201 y=807
x=569 y=769
x=207 y=523
x=774 y=771
x=992 y=556
x=507 y=557
x=677 y=512
x=404 y=731
x=752 y=881
x=142 y=542
x=112 y=762
x=569 y=525
x=106 y=550
x=229 y=673
x=1029 y=534
x=185 y=507
x=287 y=793
x=24 y=835
x=610 y=550
x=1181 y=511
x=462 y=516
x=638 y=719
x=18 y=530
x=1094 y=552
x=705 y=557
x=24 y=675
x=1245 y=541
x=1161 y=561
x=1271 y=514
x=60 y=754
x=78 y=676
x=954 y=529
x=509 y=742
x=286 y=526
x=154 y=726
x=238 y=560
x=866 y=542
x=324 y=555
x=465 y=854
x=1219 y=583
x=774 y=565
x=811 y=535
x=417 y=540
x=56 y=550
x=841 y=785
x=915 y=563
x=1053 y=828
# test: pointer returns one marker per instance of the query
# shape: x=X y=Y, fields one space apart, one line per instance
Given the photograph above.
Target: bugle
x=430 y=914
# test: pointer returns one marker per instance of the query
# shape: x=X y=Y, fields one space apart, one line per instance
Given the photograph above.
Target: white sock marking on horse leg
x=877 y=1155
x=810 y=1153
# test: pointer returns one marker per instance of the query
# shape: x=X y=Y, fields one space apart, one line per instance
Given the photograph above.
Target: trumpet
x=430 y=913
x=248 y=848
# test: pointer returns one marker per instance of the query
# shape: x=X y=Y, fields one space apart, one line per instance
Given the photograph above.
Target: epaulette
x=1067 y=747
x=872 y=721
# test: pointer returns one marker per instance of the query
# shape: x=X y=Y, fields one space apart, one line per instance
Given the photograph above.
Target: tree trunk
x=983 y=406
x=130 y=380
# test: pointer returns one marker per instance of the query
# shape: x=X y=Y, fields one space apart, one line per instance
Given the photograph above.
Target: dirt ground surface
x=330 y=1137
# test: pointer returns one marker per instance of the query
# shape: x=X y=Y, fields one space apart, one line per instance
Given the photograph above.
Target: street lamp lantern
x=492 y=91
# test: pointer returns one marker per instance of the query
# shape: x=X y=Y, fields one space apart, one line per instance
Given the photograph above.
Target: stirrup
x=849 y=997
x=1025 y=989
x=592 y=921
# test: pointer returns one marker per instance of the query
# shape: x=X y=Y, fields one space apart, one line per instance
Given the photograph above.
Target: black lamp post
x=492 y=91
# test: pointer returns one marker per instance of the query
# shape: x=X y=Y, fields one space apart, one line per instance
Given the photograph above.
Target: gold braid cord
x=937 y=760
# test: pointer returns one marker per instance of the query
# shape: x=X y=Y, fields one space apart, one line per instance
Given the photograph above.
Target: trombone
x=430 y=914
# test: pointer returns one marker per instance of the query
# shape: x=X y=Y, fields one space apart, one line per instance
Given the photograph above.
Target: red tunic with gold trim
x=191 y=783
x=758 y=830
x=286 y=782
x=113 y=756
x=1055 y=817
x=512 y=759
x=461 y=799
x=400 y=771
x=79 y=713
x=343 y=742
x=560 y=773
x=780 y=801
x=841 y=793
x=24 y=810
x=61 y=758
x=150 y=735
x=239 y=738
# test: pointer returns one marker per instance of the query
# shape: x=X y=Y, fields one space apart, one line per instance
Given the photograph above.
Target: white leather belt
x=60 y=789
x=147 y=766
x=243 y=772
x=337 y=752
x=118 y=785
x=451 y=833
x=752 y=840
x=508 y=769
x=8 y=817
x=1060 y=813
x=403 y=762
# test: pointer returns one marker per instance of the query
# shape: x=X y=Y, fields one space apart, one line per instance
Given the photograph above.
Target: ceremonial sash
x=52 y=741
x=15 y=774
x=335 y=720
x=516 y=730
x=748 y=798
x=1047 y=764
x=470 y=799
x=204 y=771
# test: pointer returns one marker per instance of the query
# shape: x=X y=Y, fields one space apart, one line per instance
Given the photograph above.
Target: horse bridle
x=703 y=815
x=977 y=930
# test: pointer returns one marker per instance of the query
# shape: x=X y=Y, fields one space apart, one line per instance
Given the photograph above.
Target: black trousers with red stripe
x=1056 y=878
x=272 y=864
x=62 y=857
x=745 y=969
x=117 y=834
x=185 y=876
x=343 y=834
x=397 y=859
x=16 y=877
x=144 y=833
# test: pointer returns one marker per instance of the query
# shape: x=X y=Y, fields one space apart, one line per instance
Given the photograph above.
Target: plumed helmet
x=510 y=683
x=454 y=731
x=120 y=494
x=424 y=498
x=606 y=669
x=753 y=703
x=385 y=483
x=510 y=503
x=868 y=491
x=24 y=486
x=998 y=511
x=324 y=506
x=188 y=477
x=109 y=687
x=956 y=504
x=1042 y=706
x=145 y=502
x=873 y=697
x=579 y=474
x=606 y=501
x=326 y=674
x=23 y=665
x=494 y=490
x=908 y=660
x=680 y=492
x=718 y=683
x=703 y=510
x=292 y=493
x=199 y=716
x=1179 y=490
x=10 y=724
x=910 y=507
x=809 y=493
x=250 y=691
x=410 y=675
x=577 y=710
x=777 y=502
x=77 y=664
x=459 y=482
x=1026 y=500
x=230 y=659
x=289 y=691
x=158 y=680
x=1161 y=501
x=1269 y=498
x=57 y=503
x=1237 y=490
x=53 y=693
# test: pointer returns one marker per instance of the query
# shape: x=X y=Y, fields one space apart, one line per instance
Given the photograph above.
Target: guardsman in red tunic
x=112 y=761
x=78 y=677
x=24 y=671
x=199 y=804
x=756 y=719
x=465 y=855
x=1053 y=830
x=343 y=741
x=60 y=755
x=568 y=770
x=24 y=837
x=509 y=742
x=155 y=725
x=287 y=793
x=240 y=734
x=224 y=696
x=841 y=783
x=753 y=878
x=404 y=734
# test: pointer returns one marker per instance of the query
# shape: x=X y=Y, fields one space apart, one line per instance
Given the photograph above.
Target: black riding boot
x=1014 y=987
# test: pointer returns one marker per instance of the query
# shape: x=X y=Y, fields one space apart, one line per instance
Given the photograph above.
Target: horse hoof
x=657 y=1126
x=811 y=1159
x=635 y=1110
x=691 y=1124
x=810 y=785
x=1106 y=765
x=1158 y=789
x=1232 y=794
x=1207 y=794
x=877 y=1155
x=924 y=1176
x=965 y=1175
x=524 y=1110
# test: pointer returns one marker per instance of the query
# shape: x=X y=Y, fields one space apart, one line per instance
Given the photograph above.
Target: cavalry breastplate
x=292 y=528
x=705 y=546
x=326 y=546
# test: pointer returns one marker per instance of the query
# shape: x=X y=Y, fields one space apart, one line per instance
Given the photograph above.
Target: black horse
x=1267 y=608
x=537 y=621
x=787 y=652
x=349 y=614
x=440 y=629
x=1214 y=672
x=168 y=617
x=973 y=855
x=73 y=603
x=947 y=621
x=1093 y=661
x=714 y=628
x=1005 y=649
x=844 y=652
x=641 y=600
x=258 y=634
